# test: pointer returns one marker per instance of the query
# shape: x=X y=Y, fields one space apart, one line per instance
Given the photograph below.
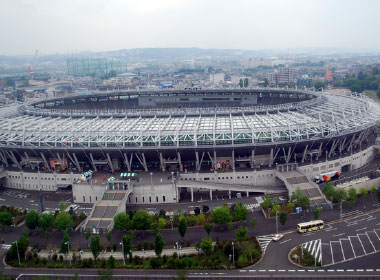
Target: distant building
x=281 y=77
x=252 y=63
x=328 y=75
x=217 y=78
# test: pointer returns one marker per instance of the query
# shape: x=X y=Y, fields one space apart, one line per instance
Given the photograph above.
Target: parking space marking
x=340 y=234
x=361 y=229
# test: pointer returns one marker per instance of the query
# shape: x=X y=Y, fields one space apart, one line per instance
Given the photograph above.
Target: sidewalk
x=119 y=256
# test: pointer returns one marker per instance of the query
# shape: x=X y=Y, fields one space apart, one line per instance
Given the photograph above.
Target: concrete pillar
x=163 y=167
x=192 y=194
x=233 y=160
x=229 y=194
x=180 y=162
x=247 y=193
x=210 y=194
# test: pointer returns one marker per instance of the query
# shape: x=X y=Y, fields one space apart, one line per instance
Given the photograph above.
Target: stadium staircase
x=296 y=178
x=103 y=212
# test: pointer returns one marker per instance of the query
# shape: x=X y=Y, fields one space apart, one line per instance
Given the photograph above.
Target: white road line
x=369 y=270
x=252 y=270
x=377 y=269
x=351 y=224
x=349 y=239
x=361 y=229
x=285 y=241
x=331 y=270
x=321 y=270
x=262 y=270
x=349 y=270
x=332 y=255
x=311 y=270
x=301 y=270
x=370 y=241
x=340 y=270
x=362 y=245
x=271 y=270
x=360 y=270
x=340 y=234
x=291 y=270
x=281 y=270
x=341 y=246
x=242 y=270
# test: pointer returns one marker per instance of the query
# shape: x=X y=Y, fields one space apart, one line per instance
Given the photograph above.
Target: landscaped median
x=302 y=257
x=205 y=255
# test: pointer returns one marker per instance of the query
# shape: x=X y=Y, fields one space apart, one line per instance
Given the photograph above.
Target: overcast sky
x=66 y=26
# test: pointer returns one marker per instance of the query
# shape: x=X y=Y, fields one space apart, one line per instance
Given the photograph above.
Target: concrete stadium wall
x=87 y=193
x=160 y=194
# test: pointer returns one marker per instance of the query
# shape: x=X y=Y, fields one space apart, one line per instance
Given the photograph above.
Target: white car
x=277 y=237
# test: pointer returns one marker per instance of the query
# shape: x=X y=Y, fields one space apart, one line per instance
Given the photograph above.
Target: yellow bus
x=310 y=226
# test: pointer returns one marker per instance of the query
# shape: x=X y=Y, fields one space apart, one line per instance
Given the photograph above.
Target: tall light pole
x=68 y=249
x=122 y=251
x=276 y=222
x=151 y=179
x=18 y=254
x=233 y=253
x=341 y=202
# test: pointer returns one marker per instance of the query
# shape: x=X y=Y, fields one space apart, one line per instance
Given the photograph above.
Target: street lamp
x=276 y=222
x=151 y=179
x=233 y=253
x=122 y=251
x=68 y=249
x=18 y=254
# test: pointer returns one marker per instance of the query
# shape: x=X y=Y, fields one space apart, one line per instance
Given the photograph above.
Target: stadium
x=178 y=144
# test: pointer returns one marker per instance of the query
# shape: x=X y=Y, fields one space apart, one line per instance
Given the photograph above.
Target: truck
x=325 y=177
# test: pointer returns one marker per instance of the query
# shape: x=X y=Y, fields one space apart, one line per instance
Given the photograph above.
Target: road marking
x=301 y=270
x=361 y=229
x=370 y=241
x=360 y=270
x=252 y=270
x=330 y=270
x=362 y=245
x=271 y=270
x=311 y=270
x=262 y=270
x=349 y=238
x=285 y=241
x=340 y=270
x=291 y=270
x=349 y=270
x=281 y=270
x=242 y=270
x=377 y=269
x=369 y=270
x=351 y=224
x=340 y=234
x=321 y=270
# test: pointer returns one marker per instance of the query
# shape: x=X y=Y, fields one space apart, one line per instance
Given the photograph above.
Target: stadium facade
x=184 y=141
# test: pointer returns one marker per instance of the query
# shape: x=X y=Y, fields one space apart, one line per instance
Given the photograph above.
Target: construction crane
x=31 y=72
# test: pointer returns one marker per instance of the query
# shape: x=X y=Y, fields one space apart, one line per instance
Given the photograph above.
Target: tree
x=127 y=246
x=241 y=212
x=352 y=194
x=340 y=195
x=318 y=85
x=329 y=191
x=159 y=244
x=161 y=223
x=276 y=208
x=378 y=196
x=122 y=222
x=299 y=199
x=241 y=233
x=241 y=83
x=64 y=246
x=317 y=213
x=283 y=218
x=20 y=247
x=205 y=209
x=267 y=203
x=208 y=228
x=46 y=223
x=363 y=191
x=63 y=221
x=290 y=206
x=95 y=246
x=206 y=245
x=32 y=219
x=246 y=82
x=182 y=226
x=253 y=223
x=221 y=215
x=141 y=220
x=87 y=234
x=5 y=218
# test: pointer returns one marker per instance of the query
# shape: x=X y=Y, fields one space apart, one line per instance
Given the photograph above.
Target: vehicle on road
x=310 y=226
x=277 y=237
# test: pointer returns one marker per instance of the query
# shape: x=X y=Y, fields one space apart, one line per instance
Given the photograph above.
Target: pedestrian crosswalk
x=252 y=206
x=5 y=246
x=314 y=247
x=264 y=241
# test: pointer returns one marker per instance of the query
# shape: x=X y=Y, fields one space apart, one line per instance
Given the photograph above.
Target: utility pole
x=276 y=222
x=233 y=253
x=122 y=251
x=341 y=204
x=18 y=254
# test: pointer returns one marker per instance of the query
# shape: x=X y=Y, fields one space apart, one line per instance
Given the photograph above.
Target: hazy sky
x=64 y=26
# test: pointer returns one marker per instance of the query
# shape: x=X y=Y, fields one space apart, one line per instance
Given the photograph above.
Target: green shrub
x=363 y=191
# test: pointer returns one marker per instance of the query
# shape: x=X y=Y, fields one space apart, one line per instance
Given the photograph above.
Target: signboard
x=298 y=209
